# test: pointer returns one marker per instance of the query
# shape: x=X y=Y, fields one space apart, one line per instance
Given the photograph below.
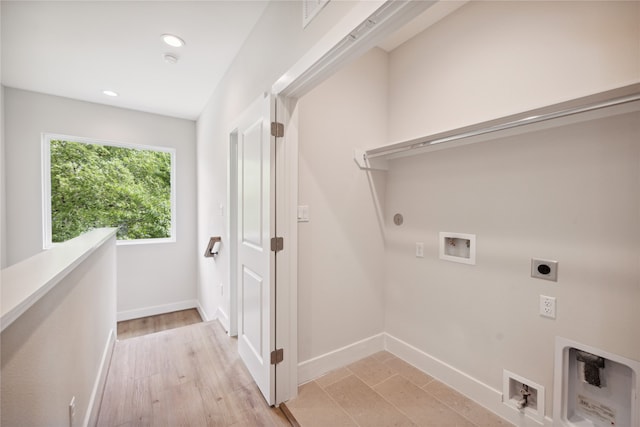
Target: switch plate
x=544 y=269
x=419 y=250
x=548 y=306
x=303 y=213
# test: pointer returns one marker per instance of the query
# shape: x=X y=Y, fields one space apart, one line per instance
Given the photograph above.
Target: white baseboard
x=203 y=313
x=475 y=390
x=223 y=318
x=483 y=394
x=95 y=400
x=157 y=309
x=313 y=368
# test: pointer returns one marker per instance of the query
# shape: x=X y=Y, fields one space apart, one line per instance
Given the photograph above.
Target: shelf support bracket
x=360 y=157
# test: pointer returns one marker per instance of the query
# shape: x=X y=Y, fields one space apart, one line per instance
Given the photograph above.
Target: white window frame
x=46 y=185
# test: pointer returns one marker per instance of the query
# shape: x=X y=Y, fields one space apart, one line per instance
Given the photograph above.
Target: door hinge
x=277 y=129
x=277 y=356
x=277 y=244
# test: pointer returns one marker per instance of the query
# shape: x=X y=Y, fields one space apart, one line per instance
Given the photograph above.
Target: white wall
x=55 y=350
x=569 y=194
x=486 y=60
x=3 y=228
x=491 y=59
x=3 y=204
x=276 y=43
x=548 y=194
x=160 y=276
x=341 y=249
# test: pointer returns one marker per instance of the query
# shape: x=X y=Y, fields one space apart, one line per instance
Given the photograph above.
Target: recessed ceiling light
x=110 y=93
x=172 y=40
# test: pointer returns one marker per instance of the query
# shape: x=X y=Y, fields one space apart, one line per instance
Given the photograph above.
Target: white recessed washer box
x=512 y=388
x=458 y=247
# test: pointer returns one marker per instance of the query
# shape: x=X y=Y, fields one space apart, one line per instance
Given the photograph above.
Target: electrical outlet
x=544 y=269
x=419 y=250
x=547 y=306
x=72 y=411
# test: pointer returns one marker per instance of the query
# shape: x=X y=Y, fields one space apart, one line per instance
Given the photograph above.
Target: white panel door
x=255 y=261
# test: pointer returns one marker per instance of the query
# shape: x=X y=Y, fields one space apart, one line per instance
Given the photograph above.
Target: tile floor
x=383 y=390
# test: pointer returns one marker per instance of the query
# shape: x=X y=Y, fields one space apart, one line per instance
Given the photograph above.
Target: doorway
x=360 y=31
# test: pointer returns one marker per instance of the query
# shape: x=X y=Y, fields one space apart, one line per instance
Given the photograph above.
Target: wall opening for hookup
x=457 y=247
x=523 y=395
x=594 y=388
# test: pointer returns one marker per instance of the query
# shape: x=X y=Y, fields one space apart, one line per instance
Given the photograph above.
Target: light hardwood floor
x=189 y=376
x=383 y=390
x=193 y=376
x=161 y=322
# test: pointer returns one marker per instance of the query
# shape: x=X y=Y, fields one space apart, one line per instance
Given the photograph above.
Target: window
x=91 y=184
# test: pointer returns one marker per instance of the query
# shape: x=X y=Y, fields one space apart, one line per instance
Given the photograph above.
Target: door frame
x=286 y=271
x=332 y=52
x=232 y=231
x=352 y=36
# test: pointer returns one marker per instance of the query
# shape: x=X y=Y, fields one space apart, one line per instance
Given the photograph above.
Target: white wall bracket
x=364 y=163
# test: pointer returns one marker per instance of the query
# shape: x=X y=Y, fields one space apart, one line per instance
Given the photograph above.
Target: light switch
x=303 y=213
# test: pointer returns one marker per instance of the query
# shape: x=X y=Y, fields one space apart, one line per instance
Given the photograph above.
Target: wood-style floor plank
x=161 y=322
x=193 y=376
x=189 y=376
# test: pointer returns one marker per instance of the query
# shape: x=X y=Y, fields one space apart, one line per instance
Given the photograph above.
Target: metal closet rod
x=610 y=98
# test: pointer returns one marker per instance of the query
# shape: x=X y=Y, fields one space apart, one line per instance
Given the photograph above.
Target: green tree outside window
x=94 y=185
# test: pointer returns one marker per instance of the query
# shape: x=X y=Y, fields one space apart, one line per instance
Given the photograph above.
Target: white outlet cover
x=548 y=306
